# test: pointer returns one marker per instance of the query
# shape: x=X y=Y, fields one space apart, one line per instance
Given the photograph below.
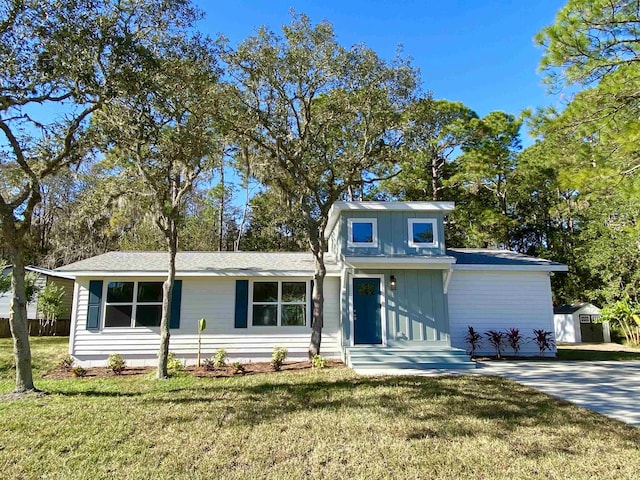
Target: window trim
x=279 y=303
x=374 y=229
x=133 y=303
x=434 y=224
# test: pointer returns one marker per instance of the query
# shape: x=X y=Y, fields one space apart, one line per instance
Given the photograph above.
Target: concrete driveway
x=610 y=388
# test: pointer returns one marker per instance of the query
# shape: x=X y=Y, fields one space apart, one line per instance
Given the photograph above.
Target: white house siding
x=214 y=299
x=499 y=300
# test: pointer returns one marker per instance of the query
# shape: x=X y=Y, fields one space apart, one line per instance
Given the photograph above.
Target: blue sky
x=478 y=52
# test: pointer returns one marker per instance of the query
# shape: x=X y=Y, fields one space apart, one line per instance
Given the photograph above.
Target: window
x=363 y=232
x=279 y=304
x=423 y=233
x=133 y=304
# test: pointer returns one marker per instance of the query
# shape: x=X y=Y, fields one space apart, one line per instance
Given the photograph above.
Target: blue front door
x=367 y=321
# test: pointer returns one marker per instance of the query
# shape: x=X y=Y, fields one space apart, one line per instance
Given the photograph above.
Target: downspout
x=446 y=278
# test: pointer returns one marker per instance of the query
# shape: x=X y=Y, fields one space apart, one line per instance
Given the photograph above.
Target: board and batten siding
x=415 y=312
x=214 y=299
x=393 y=233
x=499 y=300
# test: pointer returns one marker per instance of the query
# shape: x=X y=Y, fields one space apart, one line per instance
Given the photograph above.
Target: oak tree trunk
x=317 y=297
x=19 y=323
x=167 y=292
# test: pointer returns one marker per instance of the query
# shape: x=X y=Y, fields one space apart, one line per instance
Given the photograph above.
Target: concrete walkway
x=609 y=388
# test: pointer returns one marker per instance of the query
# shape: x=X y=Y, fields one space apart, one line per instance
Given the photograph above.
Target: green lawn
x=596 y=355
x=594 y=352
x=327 y=424
x=45 y=353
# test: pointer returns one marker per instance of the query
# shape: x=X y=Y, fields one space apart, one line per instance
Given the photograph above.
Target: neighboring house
x=580 y=323
x=394 y=295
x=43 y=278
x=5 y=298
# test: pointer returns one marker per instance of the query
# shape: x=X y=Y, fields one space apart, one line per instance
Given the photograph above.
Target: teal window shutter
x=242 y=303
x=311 y=303
x=95 y=304
x=176 y=302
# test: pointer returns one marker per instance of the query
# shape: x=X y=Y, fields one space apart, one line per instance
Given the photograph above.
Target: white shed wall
x=567 y=328
x=214 y=299
x=499 y=300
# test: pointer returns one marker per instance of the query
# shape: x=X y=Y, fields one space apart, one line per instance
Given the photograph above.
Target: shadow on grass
x=413 y=408
x=460 y=406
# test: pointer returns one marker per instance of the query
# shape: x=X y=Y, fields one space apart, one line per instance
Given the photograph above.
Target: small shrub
x=238 y=368
x=544 y=340
x=318 y=361
x=496 y=339
x=514 y=339
x=474 y=339
x=278 y=357
x=116 y=363
x=209 y=364
x=220 y=358
x=174 y=365
x=66 y=362
x=79 y=371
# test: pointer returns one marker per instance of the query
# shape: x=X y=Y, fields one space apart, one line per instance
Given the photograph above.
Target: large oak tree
x=321 y=121
x=61 y=61
x=161 y=132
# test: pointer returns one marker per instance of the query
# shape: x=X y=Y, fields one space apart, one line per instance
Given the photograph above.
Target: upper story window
x=133 y=304
x=363 y=232
x=423 y=233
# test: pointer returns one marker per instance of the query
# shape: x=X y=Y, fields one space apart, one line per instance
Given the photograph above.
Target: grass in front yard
x=45 y=354
x=598 y=352
x=596 y=355
x=309 y=424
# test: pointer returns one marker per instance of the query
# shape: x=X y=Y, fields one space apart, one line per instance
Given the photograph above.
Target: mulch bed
x=60 y=373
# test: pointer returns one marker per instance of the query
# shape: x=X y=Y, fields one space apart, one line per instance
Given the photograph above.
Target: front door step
x=439 y=358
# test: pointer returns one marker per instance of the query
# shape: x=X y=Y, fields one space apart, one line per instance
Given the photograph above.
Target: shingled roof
x=482 y=257
x=202 y=263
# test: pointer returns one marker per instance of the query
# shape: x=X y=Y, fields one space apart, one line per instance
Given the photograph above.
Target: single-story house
x=393 y=295
x=580 y=323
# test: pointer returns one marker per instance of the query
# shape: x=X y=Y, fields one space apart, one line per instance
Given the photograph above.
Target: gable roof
x=200 y=264
x=480 y=259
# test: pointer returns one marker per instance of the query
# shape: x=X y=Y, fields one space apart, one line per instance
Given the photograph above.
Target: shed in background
x=580 y=323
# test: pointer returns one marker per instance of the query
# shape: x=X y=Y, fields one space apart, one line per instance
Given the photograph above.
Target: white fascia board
x=50 y=273
x=217 y=273
x=512 y=268
x=338 y=207
x=406 y=263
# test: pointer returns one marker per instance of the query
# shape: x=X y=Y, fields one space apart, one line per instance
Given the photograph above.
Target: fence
x=62 y=328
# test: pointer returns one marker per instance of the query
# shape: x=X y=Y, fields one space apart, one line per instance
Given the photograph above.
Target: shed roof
x=571 y=307
x=470 y=257
x=201 y=263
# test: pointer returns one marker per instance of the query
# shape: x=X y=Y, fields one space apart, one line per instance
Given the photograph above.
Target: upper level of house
x=387 y=228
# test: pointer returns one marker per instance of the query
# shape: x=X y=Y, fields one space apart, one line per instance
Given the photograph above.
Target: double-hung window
x=279 y=303
x=363 y=232
x=133 y=304
x=423 y=233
